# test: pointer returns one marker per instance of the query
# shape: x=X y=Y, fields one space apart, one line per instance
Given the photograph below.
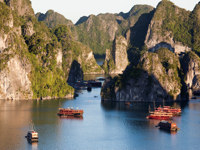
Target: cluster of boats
x=165 y=113
x=32 y=135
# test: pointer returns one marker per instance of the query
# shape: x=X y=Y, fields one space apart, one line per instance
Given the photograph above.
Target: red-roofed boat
x=169 y=109
x=70 y=112
x=160 y=115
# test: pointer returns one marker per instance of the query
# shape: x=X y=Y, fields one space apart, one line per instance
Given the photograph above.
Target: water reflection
x=14 y=118
x=71 y=117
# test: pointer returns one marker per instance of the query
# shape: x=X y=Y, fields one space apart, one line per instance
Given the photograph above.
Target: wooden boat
x=32 y=135
x=169 y=126
x=160 y=115
x=70 y=112
x=168 y=109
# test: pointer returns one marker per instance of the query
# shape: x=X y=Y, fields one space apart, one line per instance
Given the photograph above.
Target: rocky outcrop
x=53 y=19
x=156 y=78
x=116 y=60
x=163 y=32
x=15 y=82
x=22 y=7
x=191 y=68
x=30 y=65
x=28 y=29
x=78 y=59
x=196 y=84
x=75 y=73
x=59 y=58
x=107 y=27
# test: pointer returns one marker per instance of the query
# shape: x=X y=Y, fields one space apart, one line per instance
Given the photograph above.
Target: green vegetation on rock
x=53 y=19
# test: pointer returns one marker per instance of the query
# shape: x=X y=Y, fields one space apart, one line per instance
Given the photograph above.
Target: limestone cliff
x=154 y=79
x=99 y=32
x=33 y=59
x=14 y=69
x=191 y=68
x=53 y=19
x=116 y=60
x=21 y=7
x=170 y=28
x=78 y=59
x=15 y=82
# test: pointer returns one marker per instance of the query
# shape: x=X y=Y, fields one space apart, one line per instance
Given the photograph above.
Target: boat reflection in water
x=72 y=117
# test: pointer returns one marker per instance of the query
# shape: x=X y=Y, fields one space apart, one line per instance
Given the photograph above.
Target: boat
x=160 y=115
x=70 y=112
x=32 y=135
x=169 y=109
x=169 y=126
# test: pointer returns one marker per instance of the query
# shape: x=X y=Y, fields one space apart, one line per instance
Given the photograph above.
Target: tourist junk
x=70 y=112
x=160 y=115
x=164 y=113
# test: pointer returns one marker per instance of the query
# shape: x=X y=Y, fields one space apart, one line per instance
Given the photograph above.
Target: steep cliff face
x=170 y=27
x=14 y=69
x=28 y=67
x=116 y=60
x=22 y=7
x=74 y=51
x=15 y=82
x=98 y=32
x=195 y=17
x=156 y=78
x=191 y=68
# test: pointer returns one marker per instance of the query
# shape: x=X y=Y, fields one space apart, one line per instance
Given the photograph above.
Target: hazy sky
x=74 y=9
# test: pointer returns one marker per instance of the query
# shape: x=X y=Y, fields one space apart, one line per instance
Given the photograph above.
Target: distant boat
x=32 y=135
x=70 y=112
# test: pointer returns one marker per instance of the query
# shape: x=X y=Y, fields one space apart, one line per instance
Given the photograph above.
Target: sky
x=74 y=9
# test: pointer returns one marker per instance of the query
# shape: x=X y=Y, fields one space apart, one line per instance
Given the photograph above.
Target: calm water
x=104 y=126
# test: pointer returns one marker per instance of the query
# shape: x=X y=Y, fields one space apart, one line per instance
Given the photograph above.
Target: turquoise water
x=112 y=126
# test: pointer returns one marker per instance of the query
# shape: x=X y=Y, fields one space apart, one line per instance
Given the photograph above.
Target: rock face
x=191 y=69
x=53 y=19
x=15 y=83
x=163 y=30
x=156 y=78
x=22 y=7
x=34 y=62
x=117 y=60
x=75 y=73
x=76 y=56
x=107 y=27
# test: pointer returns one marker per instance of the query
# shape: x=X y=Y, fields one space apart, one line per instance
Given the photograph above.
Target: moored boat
x=160 y=115
x=70 y=112
x=168 y=109
x=32 y=136
x=169 y=126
